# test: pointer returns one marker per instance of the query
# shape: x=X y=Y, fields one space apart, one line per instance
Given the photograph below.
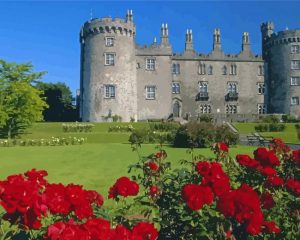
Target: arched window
x=202 y=69
x=210 y=70
x=224 y=70
x=176 y=109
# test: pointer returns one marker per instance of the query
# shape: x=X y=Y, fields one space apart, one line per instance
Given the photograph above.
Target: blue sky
x=46 y=32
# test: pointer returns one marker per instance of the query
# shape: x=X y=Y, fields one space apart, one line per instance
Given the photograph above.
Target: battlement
x=222 y=57
x=282 y=37
x=109 y=25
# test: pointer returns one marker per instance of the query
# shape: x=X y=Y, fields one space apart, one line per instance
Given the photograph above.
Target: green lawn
x=96 y=166
x=289 y=135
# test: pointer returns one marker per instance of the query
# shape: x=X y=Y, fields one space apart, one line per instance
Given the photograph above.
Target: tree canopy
x=59 y=98
x=20 y=101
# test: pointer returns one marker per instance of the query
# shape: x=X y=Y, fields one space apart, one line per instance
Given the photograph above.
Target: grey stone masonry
x=119 y=77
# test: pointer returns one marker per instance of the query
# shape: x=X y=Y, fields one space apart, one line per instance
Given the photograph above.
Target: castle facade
x=119 y=77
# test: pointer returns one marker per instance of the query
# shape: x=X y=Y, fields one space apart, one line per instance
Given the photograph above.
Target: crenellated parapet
x=108 y=25
x=282 y=37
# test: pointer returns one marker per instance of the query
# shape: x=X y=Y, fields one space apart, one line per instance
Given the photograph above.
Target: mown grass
x=95 y=166
x=289 y=135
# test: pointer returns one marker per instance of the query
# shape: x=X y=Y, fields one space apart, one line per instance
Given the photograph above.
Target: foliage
x=53 y=141
x=205 y=118
x=59 y=99
x=270 y=119
x=270 y=127
x=121 y=128
x=77 y=127
x=20 y=103
x=164 y=126
x=289 y=118
x=203 y=134
x=139 y=136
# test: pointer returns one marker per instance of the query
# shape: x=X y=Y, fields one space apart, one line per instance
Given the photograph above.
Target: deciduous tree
x=20 y=101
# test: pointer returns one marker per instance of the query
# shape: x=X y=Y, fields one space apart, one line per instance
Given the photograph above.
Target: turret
x=189 y=40
x=266 y=32
x=129 y=16
x=164 y=34
x=245 y=42
x=217 y=40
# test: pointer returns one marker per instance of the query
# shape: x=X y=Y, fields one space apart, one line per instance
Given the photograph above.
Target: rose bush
x=246 y=197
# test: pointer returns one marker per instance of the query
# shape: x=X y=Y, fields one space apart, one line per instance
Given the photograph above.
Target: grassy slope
x=289 y=135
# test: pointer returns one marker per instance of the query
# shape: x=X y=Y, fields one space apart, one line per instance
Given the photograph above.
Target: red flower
x=267 y=171
x=296 y=156
x=161 y=154
x=266 y=158
x=247 y=161
x=153 y=191
x=152 y=165
x=120 y=233
x=37 y=176
x=144 y=231
x=196 y=196
x=267 y=200
x=274 y=181
x=222 y=147
x=98 y=229
x=271 y=227
x=55 y=196
x=203 y=168
x=254 y=225
x=123 y=187
x=293 y=185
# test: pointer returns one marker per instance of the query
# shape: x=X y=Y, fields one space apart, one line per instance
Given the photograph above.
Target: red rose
x=275 y=181
x=247 y=161
x=196 y=196
x=293 y=185
x=222 y=147
x=271 y=227
x=98 y=228
x=153 y=191
x=266 y=158
x=267 y=200
x=203 y=168
x=161 y=154
x=267 y=171
x=37 y=176
x=296 y=156
x=261 y=154
x=124 y=187
x=120 y=233
x=144 y=231
x=254 y=225
x=152 y=165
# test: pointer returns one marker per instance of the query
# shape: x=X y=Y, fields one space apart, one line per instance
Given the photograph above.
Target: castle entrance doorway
x=176 y=109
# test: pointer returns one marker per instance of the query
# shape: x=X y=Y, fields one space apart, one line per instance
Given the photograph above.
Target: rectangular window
x=295 y=81
x=175 y=88
x=109 y=59
x=261 y=88
x=202 y=69
x=110 y=91
x=232 y=87
x=231 y=109
x=150 y=64
x=203 y=87
x=295 y=64
x=205 y=108
x=261 y=70
x=176 y=68
x=261 y=108
x=233 y=68
x=295 y=49
x=109 y=41
x=150 y=92
x=295 y=101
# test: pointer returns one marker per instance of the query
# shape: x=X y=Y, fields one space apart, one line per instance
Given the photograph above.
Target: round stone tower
x=108 y=83
x=281 y=51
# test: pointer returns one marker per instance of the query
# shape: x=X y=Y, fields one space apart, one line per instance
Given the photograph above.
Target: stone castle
x=119 y=77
